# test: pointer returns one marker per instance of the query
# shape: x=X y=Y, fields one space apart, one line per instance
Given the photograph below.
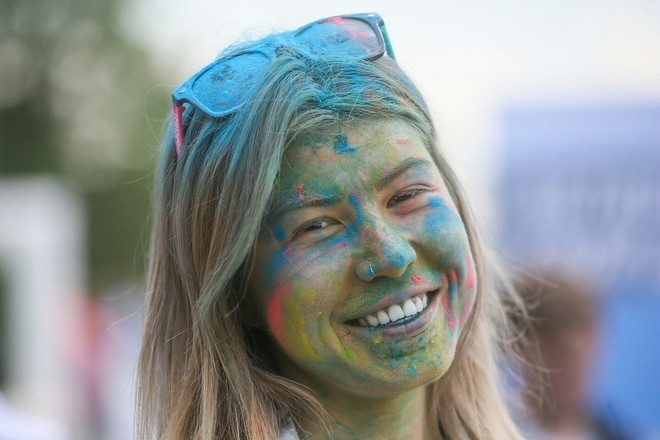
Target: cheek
x=449 y=247
x=443 y=231
x=276 y=314
x=293 y=321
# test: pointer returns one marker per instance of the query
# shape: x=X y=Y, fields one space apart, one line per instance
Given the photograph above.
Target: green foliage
x=77 y=100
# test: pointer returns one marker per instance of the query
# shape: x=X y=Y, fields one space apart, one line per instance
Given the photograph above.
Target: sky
x=471 y=59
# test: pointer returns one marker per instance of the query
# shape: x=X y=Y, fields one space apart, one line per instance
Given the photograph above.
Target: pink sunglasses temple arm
x=177 y=119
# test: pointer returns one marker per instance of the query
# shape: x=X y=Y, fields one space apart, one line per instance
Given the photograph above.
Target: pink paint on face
x=471 y=283
x=300 y=187
x=446 y=302
x=276 y=313
x=417 y=279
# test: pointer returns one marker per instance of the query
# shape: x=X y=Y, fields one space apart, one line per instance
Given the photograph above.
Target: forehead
x=353 y=150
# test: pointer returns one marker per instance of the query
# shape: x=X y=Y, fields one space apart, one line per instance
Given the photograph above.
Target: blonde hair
x=201 y=373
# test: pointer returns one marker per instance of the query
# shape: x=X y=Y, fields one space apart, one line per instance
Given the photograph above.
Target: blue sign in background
x=580 y=192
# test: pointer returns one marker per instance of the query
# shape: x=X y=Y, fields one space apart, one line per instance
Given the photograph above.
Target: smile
x=396 y=314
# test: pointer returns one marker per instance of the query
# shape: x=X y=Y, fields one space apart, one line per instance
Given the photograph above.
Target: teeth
x=418 y=303
x=395 y=312
x=409 y=308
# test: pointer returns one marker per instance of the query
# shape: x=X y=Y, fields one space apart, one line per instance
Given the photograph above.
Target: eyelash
x=310 y=226
x=326 y=221
x=405 y=195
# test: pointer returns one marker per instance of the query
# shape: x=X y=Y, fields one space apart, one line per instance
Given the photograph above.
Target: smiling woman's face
x=363 y=275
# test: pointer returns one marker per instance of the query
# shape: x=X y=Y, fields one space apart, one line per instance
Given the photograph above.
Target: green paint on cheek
x=296 y=336
x=348 y=353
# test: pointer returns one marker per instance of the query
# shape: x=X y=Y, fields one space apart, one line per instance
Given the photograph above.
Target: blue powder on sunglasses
x=342 y=145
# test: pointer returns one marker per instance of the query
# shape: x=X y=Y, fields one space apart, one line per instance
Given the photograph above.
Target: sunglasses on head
x=220 y=88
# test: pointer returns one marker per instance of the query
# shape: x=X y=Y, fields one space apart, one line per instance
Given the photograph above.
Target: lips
x=399 y=309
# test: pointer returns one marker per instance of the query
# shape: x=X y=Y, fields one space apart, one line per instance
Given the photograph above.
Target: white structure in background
x=43 y=272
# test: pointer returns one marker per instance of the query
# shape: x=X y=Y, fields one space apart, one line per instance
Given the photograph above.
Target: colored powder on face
x=348 y=353
x=437 y=201
x=276 y=314
x=471 y=280
x=446 y=301
x=470 y=284
x=397 y=255
x=449 y=313
x=300 y=187
x=453 y=278
x=359 y=214
x=342 y=145
x=417 y=279
x=279 y=233
x=274 y=263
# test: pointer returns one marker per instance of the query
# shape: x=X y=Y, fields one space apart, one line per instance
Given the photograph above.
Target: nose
x=385 y=250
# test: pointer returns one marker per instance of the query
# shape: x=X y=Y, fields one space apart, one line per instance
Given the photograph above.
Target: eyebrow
x=400 y=168
x=284 y=204
x=289 y=201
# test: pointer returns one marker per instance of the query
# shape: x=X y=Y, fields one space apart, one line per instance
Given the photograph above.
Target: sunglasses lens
x=224 y=86
x=345 y=36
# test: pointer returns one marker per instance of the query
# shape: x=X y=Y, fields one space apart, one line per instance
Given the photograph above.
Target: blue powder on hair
x=342 y=145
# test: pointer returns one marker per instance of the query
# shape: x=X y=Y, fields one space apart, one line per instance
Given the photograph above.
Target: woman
x=314 y=272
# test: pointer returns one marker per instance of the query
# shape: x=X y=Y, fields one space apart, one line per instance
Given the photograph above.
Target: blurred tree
x=76 y=100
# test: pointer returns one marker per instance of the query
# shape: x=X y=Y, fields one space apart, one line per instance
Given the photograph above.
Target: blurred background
x=549 y=112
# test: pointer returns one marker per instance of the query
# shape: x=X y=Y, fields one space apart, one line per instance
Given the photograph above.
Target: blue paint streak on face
x=355 y=203
x=443 y=220
x=441 y=217
x=276 y=260
x=342 y=145
x=279 y=233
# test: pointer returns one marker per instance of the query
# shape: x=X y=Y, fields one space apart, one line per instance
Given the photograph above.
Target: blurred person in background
x=559 y=356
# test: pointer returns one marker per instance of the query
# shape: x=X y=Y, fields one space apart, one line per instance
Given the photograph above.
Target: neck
x=403 y=416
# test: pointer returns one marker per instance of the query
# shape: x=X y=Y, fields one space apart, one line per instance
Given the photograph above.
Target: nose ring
x=371 y=270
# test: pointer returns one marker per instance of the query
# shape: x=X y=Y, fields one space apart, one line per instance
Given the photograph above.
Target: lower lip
x=410 y=328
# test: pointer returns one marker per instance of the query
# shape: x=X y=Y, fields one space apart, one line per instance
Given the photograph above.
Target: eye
x=404 y=195
x=314 y=225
